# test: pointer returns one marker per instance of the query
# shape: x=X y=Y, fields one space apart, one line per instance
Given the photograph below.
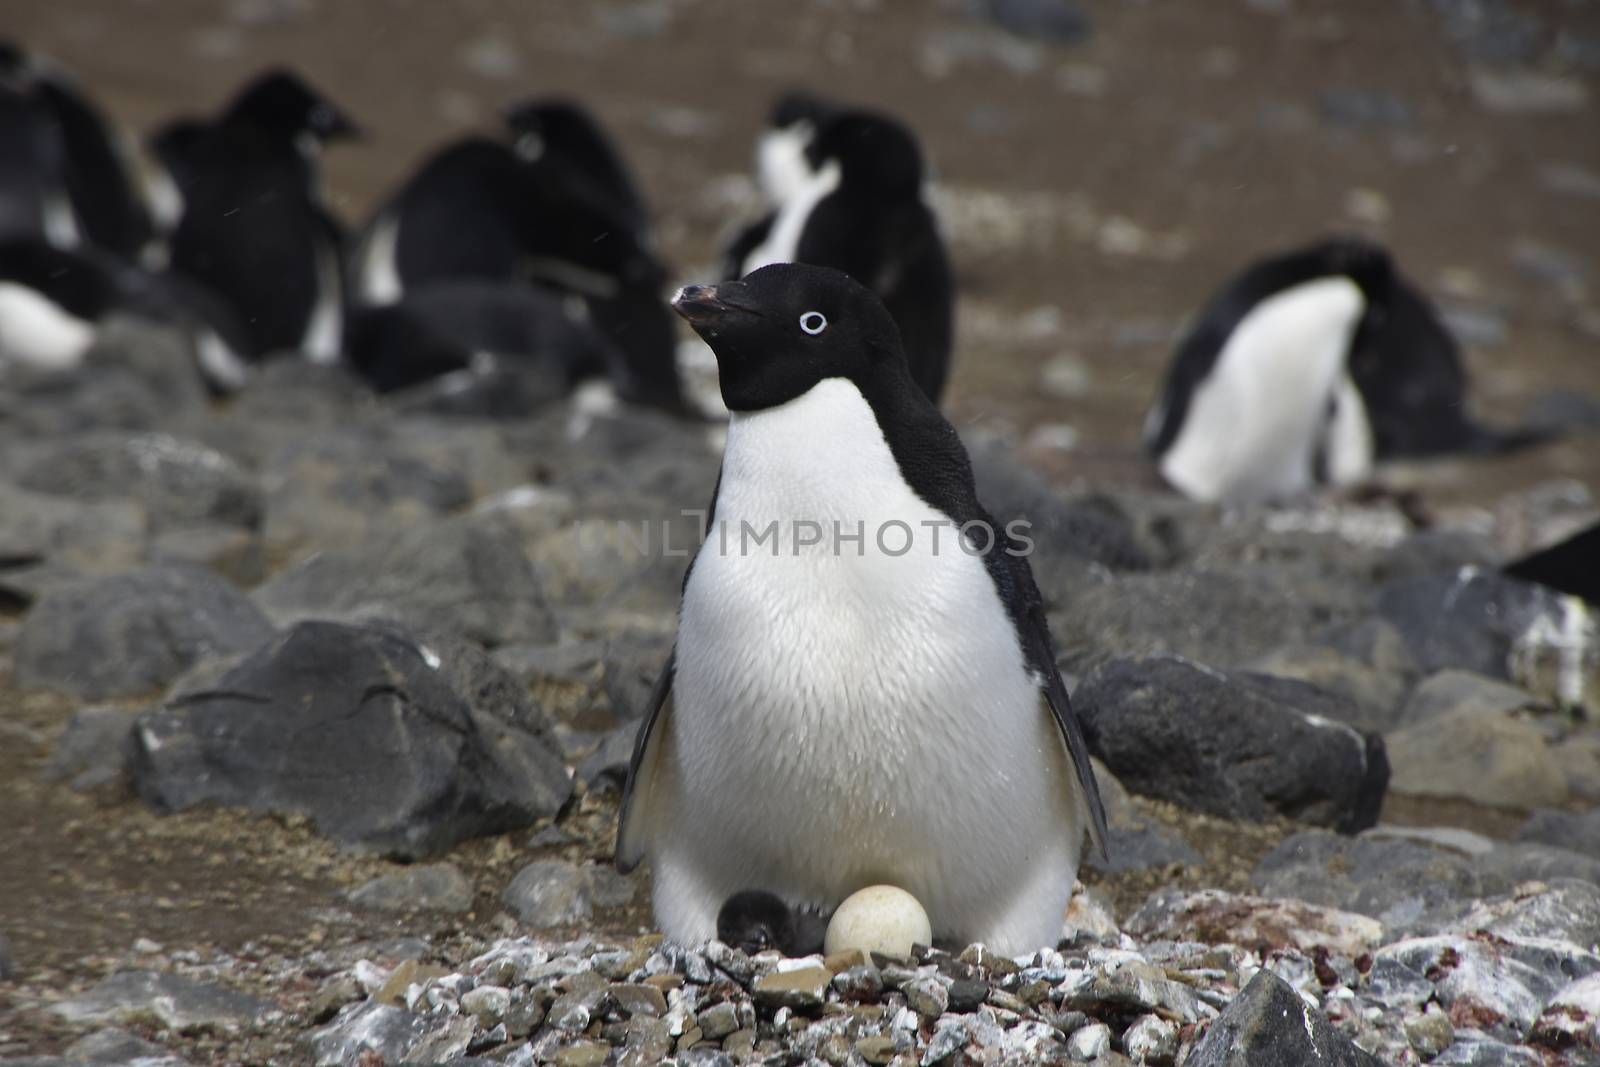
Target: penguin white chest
x=851 y=701
x=1255 y=422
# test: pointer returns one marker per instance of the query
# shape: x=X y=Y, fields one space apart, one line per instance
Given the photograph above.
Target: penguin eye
x=813 y=322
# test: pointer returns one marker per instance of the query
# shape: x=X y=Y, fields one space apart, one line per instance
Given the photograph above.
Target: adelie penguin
x=842 y=712
x=250 y=221
x=1307 y=369
x=66 y=172
x=847 y=186
x=551 y=206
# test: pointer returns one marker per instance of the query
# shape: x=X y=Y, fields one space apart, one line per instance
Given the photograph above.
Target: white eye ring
x=813 y=322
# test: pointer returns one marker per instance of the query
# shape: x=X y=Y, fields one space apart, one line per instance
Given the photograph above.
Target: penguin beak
x=702 y=305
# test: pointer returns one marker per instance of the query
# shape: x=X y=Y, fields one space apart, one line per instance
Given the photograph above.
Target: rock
x=1151 y=1039
x=114 y=1046
x=630 y=666
x=1580 y=833
x=1497 y=987
x=91 y=536
x=1224 y=617
x=234 y=553
x=178 y=1003
x=391 y=1034
x=1395 y=882
x=341 y=489
x=132 y=634
x=1454 y=692
x=1486 y=757
x=1367 y=665
x=176 y=482
x=1429 y=1033
x=388 y=742
x=1217 y=917
x=468 y=576
x=1090 y=1042
x=92 y=754
x=549 y=893
x=427 y=887
x=927 y=997
x=136 y=375
x=1469 y=619
x=1230 y=745
x=1268 y=1025
x=1571 y=1018
x=1062 y=21
x=800 y=989
x=1560 y=910
x=8 y=961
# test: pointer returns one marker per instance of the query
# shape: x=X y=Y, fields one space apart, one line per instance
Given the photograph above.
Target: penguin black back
x=563 y=132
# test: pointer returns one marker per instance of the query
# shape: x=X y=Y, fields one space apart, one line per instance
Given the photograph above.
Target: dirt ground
x=1096 y=193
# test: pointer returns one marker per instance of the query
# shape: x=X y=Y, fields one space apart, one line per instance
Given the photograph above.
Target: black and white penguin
x=865 y=695
x=848 y=192
x=251 y=223
x=554 y=209
x=53 y=302
x=94 y=194
x=1306 y=369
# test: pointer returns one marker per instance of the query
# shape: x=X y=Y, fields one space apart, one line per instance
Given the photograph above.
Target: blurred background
x=1098 y=179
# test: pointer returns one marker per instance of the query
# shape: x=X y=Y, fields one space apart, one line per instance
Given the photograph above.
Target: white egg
x=880 y=918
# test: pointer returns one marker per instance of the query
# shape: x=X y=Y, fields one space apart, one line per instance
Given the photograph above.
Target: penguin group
x=834 y=715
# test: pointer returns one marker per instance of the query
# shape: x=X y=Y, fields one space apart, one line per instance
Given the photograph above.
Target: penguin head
x=280 y=102
x=554 y=125
x=875 y=153
x=782 y=329
x=16 y=67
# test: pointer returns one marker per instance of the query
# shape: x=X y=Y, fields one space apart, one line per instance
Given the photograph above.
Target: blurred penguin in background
x=250 y=222
x=551 y=207
x=1305 y=370
x=66 y=172
x=846 y=188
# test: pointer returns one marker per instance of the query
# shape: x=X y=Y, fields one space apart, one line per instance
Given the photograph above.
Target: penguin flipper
x=1055 y=694
x=630 y=834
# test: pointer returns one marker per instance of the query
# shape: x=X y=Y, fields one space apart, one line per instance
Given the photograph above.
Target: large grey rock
x=1213 y=916
x=466 y=575
x=549 y=893
x=1485 y=757
x=389 y=742
x=112 y=1046
x=1414 y=886
x=1501 y=985
x=179 y=1003
x=1366 y=662
x=177 y=482
x=92 y=536
x=1454 y=692
x=1268 y=1025
x=370 y=1030
x=426 y=886
x=1226 y=617
x=92 y=754
x=1469 y=619
x=137 y=375
x=1578 y=832
x=132 y=634
x=344 y=487
x=1235 y=746
x=1062 y=21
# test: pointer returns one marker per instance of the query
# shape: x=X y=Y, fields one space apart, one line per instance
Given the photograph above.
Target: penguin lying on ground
x=847 y=192
x=855 y=700
x=66 y=173
x=251 y=224
x=553 y=208
x=1305 y=370
x=53 y=302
